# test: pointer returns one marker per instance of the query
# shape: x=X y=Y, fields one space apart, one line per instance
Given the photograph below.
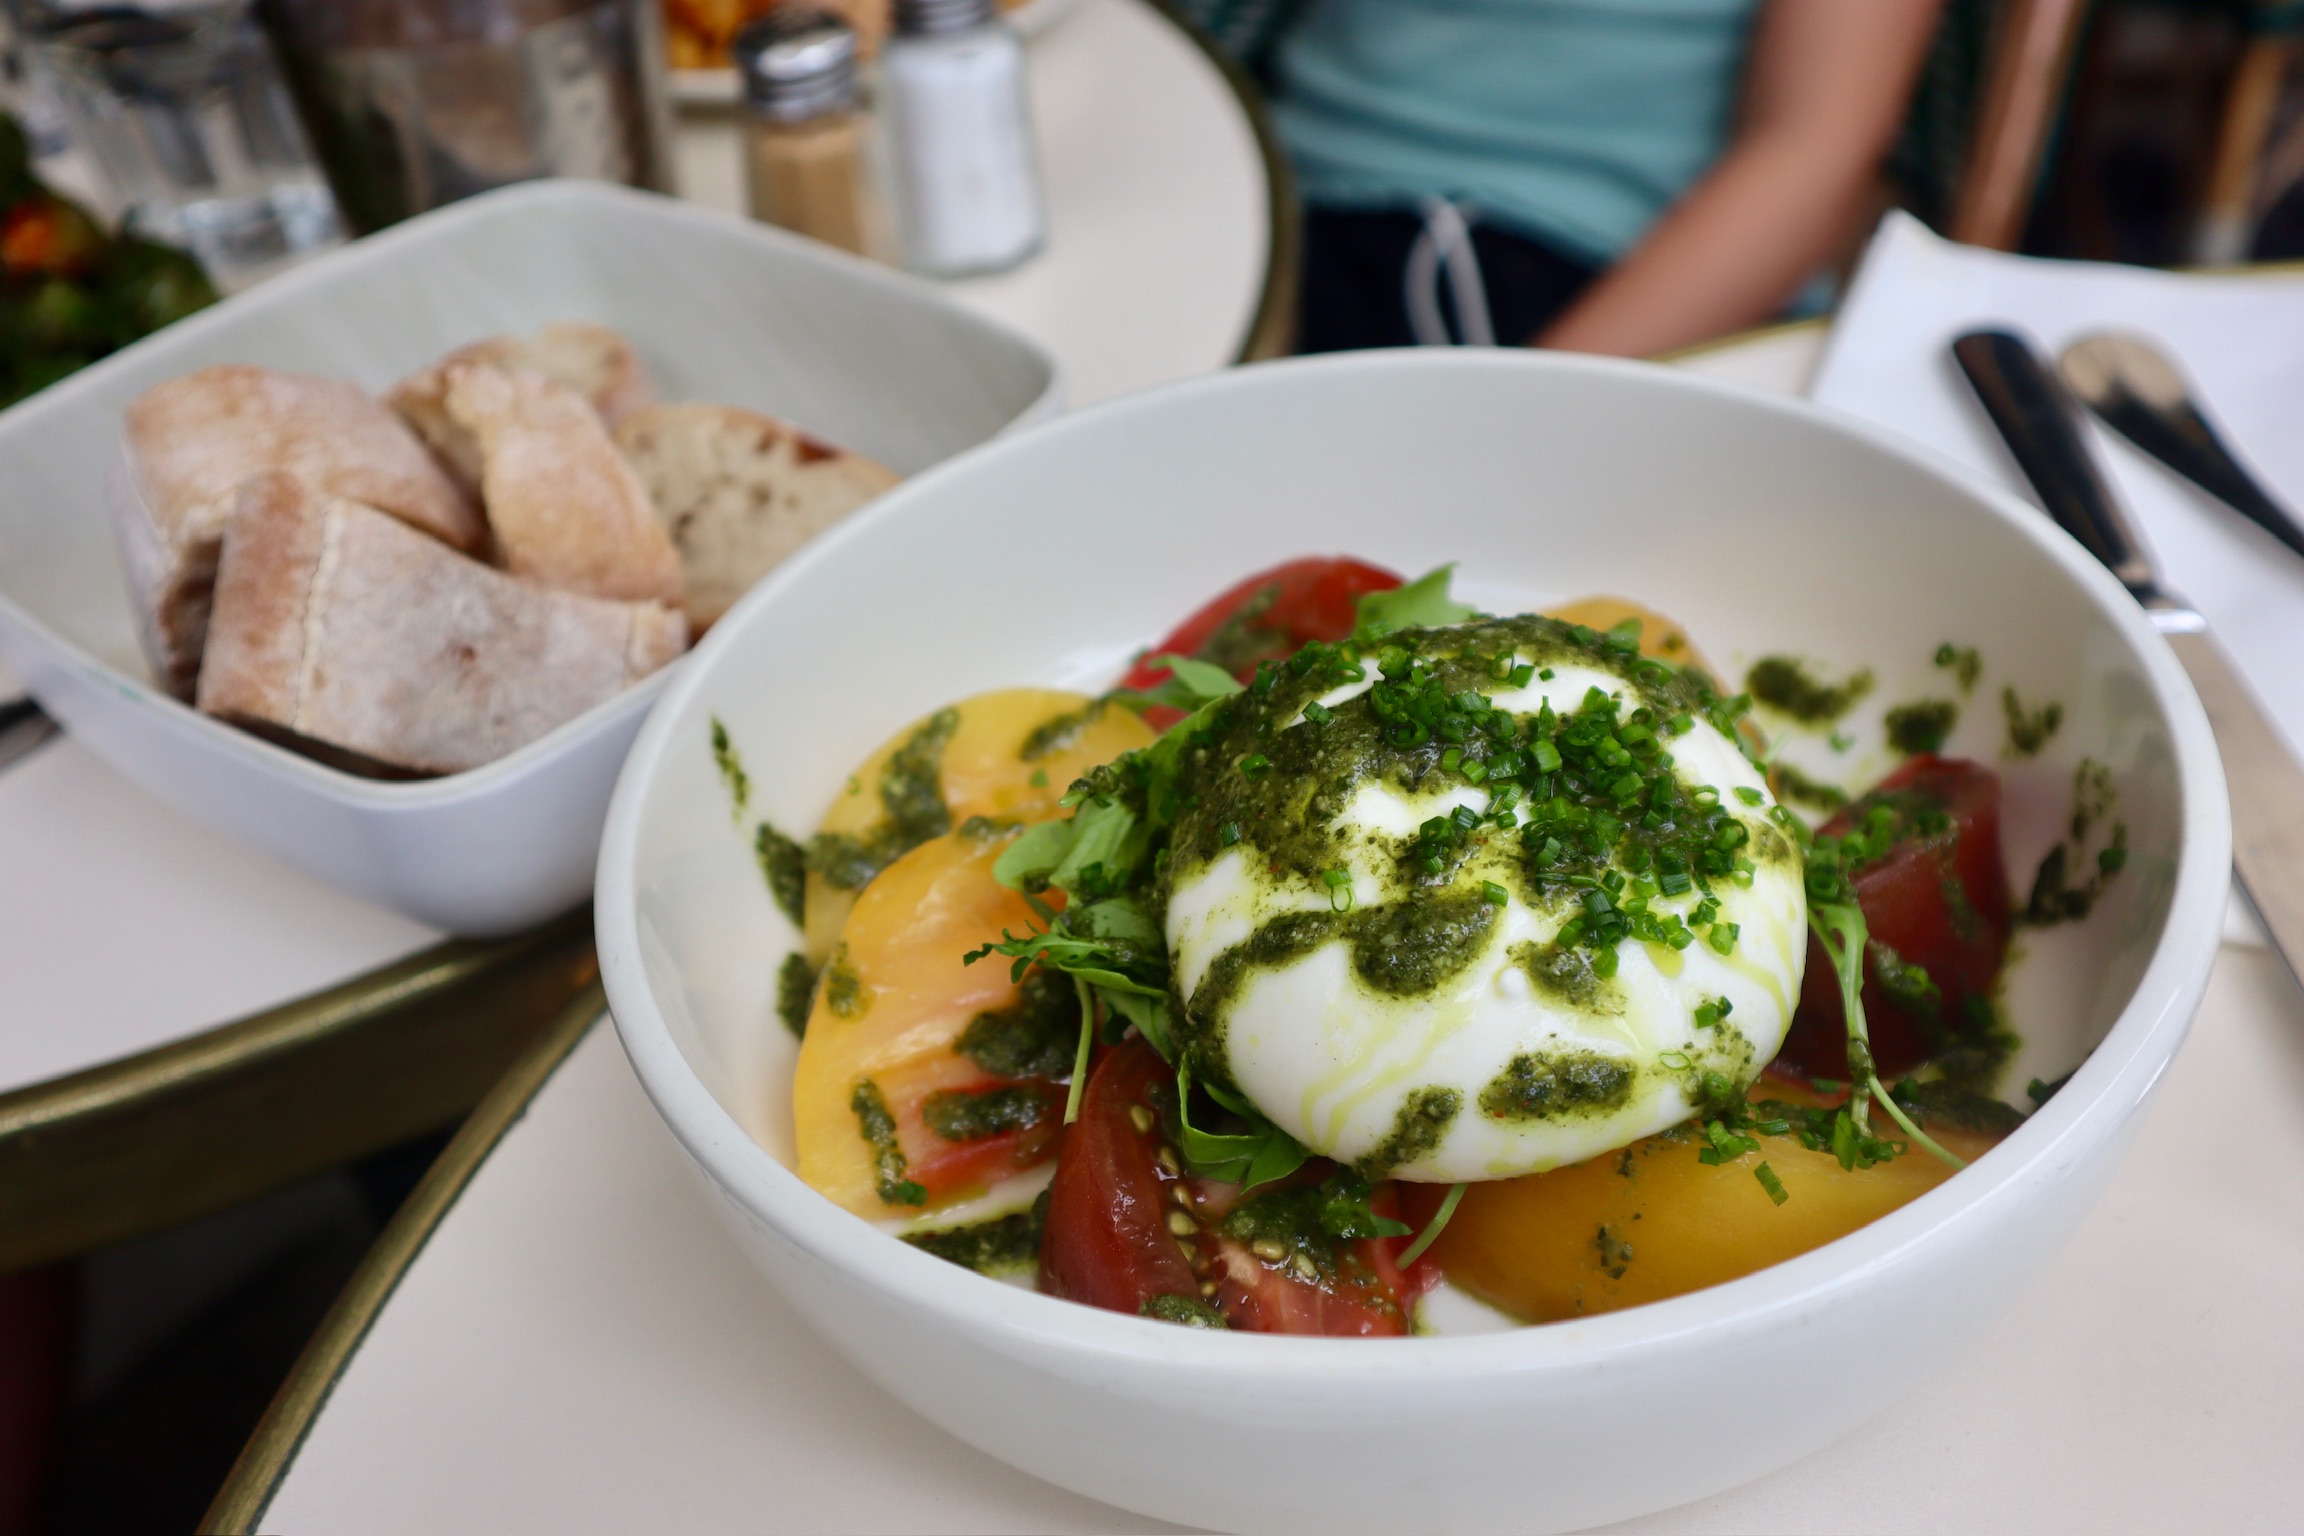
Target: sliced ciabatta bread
x=564 y=507
x=191 y=442
x=739 y=491
x=596 y=362
x=347 y=633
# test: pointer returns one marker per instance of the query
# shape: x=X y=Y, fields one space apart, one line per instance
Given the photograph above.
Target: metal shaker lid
x=797 y=63
x=918 y=18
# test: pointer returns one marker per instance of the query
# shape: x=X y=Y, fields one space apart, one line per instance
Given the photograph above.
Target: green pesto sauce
x=1412 y=947
x=1800 y=789
x=1244 y=639
x=1558 y=1085
x=879 y=1131
x=1286 y=810
x=1057 y=732
x=1967 y=922
x=1965 y=664
x=1568 y=975
x=1003 y=1245
x=956 y=1115
x=1922 y=725
x=784 y=865
x=1036 y=1036
x=1421 y=1125
x=912 y=798
x=1904 y=982
x=1578 y=801
x=1615 y=1252
x=1185 y=1310
x=795 y=993
x=1785 y=685
x=1311 y=1224
x=731 y=769
x=2060 y=892
x=1957 y=1105
x=2029 y=729
x=843 y=988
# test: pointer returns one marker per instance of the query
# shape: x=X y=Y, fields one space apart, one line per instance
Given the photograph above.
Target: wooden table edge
x=246 y=1107
x=263 y=1464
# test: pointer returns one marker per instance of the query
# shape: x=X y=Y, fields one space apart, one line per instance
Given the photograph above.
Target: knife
x=2040 y=421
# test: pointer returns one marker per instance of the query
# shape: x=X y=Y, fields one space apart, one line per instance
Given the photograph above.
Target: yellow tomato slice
x=1008 y=755
x=889 y=1010
x=1651 y=1221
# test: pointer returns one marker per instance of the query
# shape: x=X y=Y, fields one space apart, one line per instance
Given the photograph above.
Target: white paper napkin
x=2241 y=340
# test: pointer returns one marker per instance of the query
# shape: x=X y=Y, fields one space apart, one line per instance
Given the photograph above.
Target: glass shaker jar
x=184 y=113
x=966 y=185
x=804 y=145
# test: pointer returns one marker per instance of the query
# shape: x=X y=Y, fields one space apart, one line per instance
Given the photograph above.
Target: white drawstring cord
x=1446 y=240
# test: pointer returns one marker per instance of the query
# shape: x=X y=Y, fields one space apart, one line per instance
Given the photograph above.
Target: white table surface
x=580 y=1348
x=125 y=926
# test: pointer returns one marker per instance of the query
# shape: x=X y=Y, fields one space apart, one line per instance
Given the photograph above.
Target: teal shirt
x=1577 y=121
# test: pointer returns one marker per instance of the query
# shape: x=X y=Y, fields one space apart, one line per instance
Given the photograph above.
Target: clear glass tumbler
x=183 y=111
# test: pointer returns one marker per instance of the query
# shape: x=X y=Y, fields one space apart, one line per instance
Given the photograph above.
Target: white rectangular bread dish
x=719 y=309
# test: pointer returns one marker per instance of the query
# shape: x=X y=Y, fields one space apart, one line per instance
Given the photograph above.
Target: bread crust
x=342 y=630
x=564 y=507
x=190 y=443
x=739 y=491
x=595 y=361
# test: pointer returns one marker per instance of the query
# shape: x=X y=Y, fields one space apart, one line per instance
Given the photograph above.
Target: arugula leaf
x=1841 y=928
x=1420 y=604
x=1188 y=685
x=1205 y=679
x=1265 y=1153
x=1109 y=841
x=1027 y=862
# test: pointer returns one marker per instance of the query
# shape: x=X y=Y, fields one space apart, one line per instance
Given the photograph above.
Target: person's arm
x=1824 y=93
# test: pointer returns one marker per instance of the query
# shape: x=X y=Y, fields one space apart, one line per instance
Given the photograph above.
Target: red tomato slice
x=1267 y=617
x=1368 y=1296
x=1106 y=1241
x=1941 y=903
x=946 y=1167
x=1126 y=1225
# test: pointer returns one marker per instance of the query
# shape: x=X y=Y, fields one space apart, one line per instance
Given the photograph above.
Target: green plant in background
x=70 y=293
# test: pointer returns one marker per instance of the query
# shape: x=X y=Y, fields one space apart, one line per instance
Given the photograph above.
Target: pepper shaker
x=967 y=190
x=804 y=143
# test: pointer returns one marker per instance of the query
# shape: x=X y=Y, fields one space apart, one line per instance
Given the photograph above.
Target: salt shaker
x=804 y=144
x=966 y=189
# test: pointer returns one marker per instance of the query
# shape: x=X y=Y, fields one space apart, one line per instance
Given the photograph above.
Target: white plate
x=720 y=309
x=1765 y=526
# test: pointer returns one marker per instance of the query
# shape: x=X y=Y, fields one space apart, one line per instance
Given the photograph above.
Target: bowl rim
x=2102 y=1095
x=517 y=200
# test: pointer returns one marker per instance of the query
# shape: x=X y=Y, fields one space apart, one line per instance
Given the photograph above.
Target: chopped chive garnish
x=1747 y=794
x=1769 y=1182
x=1722 y=938
x=1523 y=674
x=1228 y=833
x=1318 y=713
x=1491 y=892
x=1546 y=674
x=1255 y=765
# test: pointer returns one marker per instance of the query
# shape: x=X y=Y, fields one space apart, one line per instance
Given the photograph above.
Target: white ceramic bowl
x=1766 y=526
x=719 y=308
